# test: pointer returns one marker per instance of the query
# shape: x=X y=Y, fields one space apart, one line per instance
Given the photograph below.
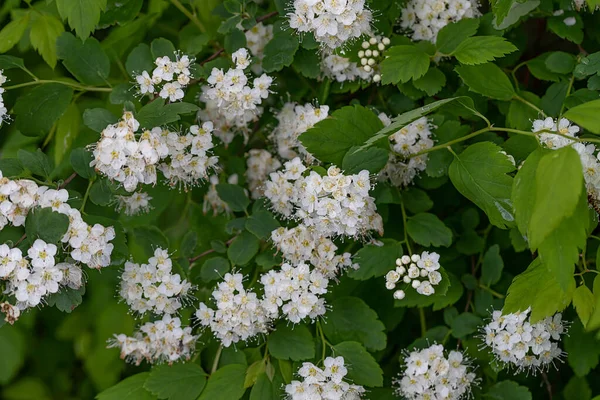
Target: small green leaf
x=508 y=390
x=465 y=324
x=157 y=113
x=362 y=367
x=428 y=230
x=67 y=299
x=492 y=267
x=586 y=115
x=131 y=388
x=162 y=47
x=488 y=80
x=577 y=389
x=482 y=49
x=560 y=62
x=83 y=15
x=261 y=224
x=372 y=159
x=403 y=63
x=45 y=29
x=80 y=161
x=583 y=349
x=291 y=342
x=86 y=61
x=234 y=196
x=432 y=82
x=97 y=119
x=584 y=303
x=100 y=193
x=243 y=248
x=45 y=224
x=214 y=269
x=12 y=33
x=39 y=109
x=139 y=60
x=453 y=34
x=279 y=51
x=176 y=382
x=226 y=383
x=188 y=244
x=37 y=163
x=375 y=261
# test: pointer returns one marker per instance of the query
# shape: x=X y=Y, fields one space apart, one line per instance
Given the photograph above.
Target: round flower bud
x=390 y=285
x=373 y=40
x=367 y=68
x=368 y=53
x=371 y=61
x=365 y=45
x=361 y=54
x=385 y=41
x=401 y=270
x=405 y=260
x=375 y=53
x=363 y=61
x=406 y=279
x=415 y=257
x=399 y=294
x=415 y=283
x=423 y=273
x=376 y=78
x=381 y=46
x=398 y=262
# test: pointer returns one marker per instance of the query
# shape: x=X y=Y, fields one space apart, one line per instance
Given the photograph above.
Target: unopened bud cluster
x=3 y=110
x=168 y=79
x=371 y=55
x=417 y=271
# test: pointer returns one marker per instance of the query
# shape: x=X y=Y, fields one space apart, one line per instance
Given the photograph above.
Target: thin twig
x=68 y=180
x=199 y=256
x=548 y=385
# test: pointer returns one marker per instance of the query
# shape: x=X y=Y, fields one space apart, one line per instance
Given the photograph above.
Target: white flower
x=260 y=163
x=408 y=269
x=257 y=38
x=172 y=91
x=42 y=254
x=168 y=79
x=3 y=109
x=137 y=203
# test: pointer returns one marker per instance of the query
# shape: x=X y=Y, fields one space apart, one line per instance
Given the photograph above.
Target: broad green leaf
x=120 y=11
x=376 y=261
x=139 y=60
x=45 y=224
x=554 y=97
x=351 y=319
x=573 y=33
x=508 y=390
x=279 y=51
x=465 y=324
x=480 y=174
x=161 y=47
x=584 y=303
x=214 y=268
x=233 y=195
x=37 y=163
x=487 y=79
x=432 y=82
x=523 y=190
x=227 y=383
x=97 y=119
x=10 y=62
x=372 y=159
x=453 y=34
x=520 y=117
x=583 y=349
x=264 y=389
x=492 y=266
x=588 y=65
x=560 y=62
x=82 y=15
x=12 y=348
x=80 y=161
x=261 y=224
x=157 y=113
x=67 y=299
x=362 y=367
x=538 y=68
x=452 y=295
x=131 y=388
x=416 y=200
x=481 y=49
x=538 y=289
x=86 y=61
x=149 y=237
x=512 y=11
x=330 y=139
x=426 y=229
x=67 y=131
x=38 y=109
x=100 y=193
x=10 y=167
x=13 y=31
x=243 y=248
x=403 y=63
x=577 y=389
x=291 y=342
x=45 y=29
x=176 y=382
x=586 y=115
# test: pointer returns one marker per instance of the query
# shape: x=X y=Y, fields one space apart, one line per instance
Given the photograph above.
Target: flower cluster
x=153 y=287
x=212 y=201
x=333 y=22
x=260 y=163
x=425 y=18
x=341 y=69
x=591 y=171
x=323 y=384
x=257 y=38
x=517 y=342
x=419 y=271
x=334 y=205
x=160 y=341
x=295 y=119
x=239 y=314
x=430 y=374
x=137 y=203
x=296 y=290
x=552 y=140
x=168 y=79
x=404 y=166
x=3 y=110
x=132 y=159
x=371 y=55
x=231 y=103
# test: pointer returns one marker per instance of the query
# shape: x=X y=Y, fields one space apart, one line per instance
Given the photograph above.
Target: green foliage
x=404 y=63
x=291 y=343
x=178 y=381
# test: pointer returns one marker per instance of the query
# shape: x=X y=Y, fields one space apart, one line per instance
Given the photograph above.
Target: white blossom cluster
x=153 y=287
x=295 y=119
x=425 y=18
x=371 y=55
x=419 y=271
x=212 y=201
x=3 y=109
x=296 y=290
x=531 y=347
x=300 y=244
x=257 y=38
x=403 y=167
x=130 y=159
x=323 y=384
x=334 y=205
x=168 y=79
x=341 y=69
x=552 y=140
x=260 y=163
x=164 y=340
x=429 y=374
x=231 y=103
x=239 y=313
x=591 y=171
x=137 y=203
x=333 y=22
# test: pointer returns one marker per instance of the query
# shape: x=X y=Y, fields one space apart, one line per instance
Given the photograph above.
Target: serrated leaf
x=45 y=224
x=482 y=49
x=465 y=324
x=403 y=63
x=432 y=82
x=36 y=162
x=38 y=109
x=279 y=51
x=372 y=159
x=45 y=29
x=86 y=61
x=157 y=113
x=176 y=382
x=97 y=119
x=487 y=79
x=13 y=31
x=82 y=15
x=362 y=367
x=131 y=388
x=80 y=161
x=291 y=342
x=226 y=383
x=261 y=224
x=584 y=303
x=428 y=230
x=233 y=195
x=453 y=34
x=586 y=115
x=375 y=261
x=67 y=299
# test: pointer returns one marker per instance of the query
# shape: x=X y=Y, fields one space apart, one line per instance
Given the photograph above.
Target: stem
x=323 y=340
x=514 y=72
x=188 y=14
x=423 y=321
x=199 y=256
x=450 y=143
x=562 y=108
x=536 y=108
x=86 y=195
x=216 y=361
x=73 y=85
x=493 y=292
x=68 y=180
x=404 y=221
x=50 y=135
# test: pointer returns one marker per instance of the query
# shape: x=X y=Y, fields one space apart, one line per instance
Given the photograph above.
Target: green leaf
x=453 y=34
x=67 y=130
x=86 y=61
x=487 y=79
x=149 y=237
x=554 y=97
x=279 y=51
x=573 y=33
x=416 y=200
x=234 y=41
x=452 y=295
x=465 y=324
x=508 y=390
x=492 y=267
x=588 y=65
x=38 y=109
x=80 y=161
x=583 y=349
x=520 y=117
x=157 y=113
x=586 y=115
x=427 y=230
x=214 y=268
x=264 y=389
x=376 y=261
x=330 y=139
x=120 y=11
x=45 y=29
x=188 y=244
x=481 y=49
x=100 y=193
x=176 y=382
x=307 y=63
x=538 y=68
x=291 y=342
x=45 y=224
x=13 y=31
x=162 y=47
x=577 y=389
x=67 y=299
x=139 y=60
x=513 y=11
x=97 y=119
x=538 y=289
x=432 y=82
x=243 y=248
x=560 y=62
x=261 y=224
x=414 y=299
x=372 y=159
x=254 y=370
x=234 y=196
x=403 y=63
x=584 y=303
x=480 y=174
x=37 y=163
x=362 y=367
x=82 y=15
x=10 y=62
x=11 y=167
x=351 y=319
x=12 y=348
x=131 y=388
x=227 y=383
